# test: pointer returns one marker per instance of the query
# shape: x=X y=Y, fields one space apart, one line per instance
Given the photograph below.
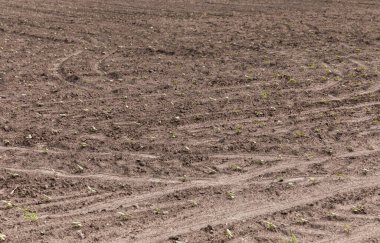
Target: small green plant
x=269 y=62
x=238 y=130
x=7 y=204
x=172 y=134
x=299 y=133
x=339 y=174
x=122 y=216
x=231 y=195
x=193 y=203
x=292 y=240
x=352 y=75
x=312 y=66
x=236 y=111
x=259 y=123
x=293 y=81
x=229 y=234
x=308 y=156
x=313 y=181
x=282 y=76
x=259 y=114
x=13 y=175
x=358 y=209
x=264 y=94
x=159 y=211
x=332 y=216
x=76 y=224
x=249 y=77
x=79 y=168
x=91 y=190
x=46 y=197
x=302 y=221
x=175 y=82
x=30 y=216
x=328 y=71
x=236 y=168
x=83 y=145
x=183 y=178
x=270 y=226
x=45 y=150
x=2 y=237
x=347 y=228
x=260 y=162
x=6 y=142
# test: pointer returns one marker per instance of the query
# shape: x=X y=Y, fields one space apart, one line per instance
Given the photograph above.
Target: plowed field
x=190 y=121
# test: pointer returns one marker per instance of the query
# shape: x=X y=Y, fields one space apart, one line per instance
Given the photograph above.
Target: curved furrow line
x=52 y=201
x=104 y=177
x=247 y=211
x=92 y=153
x=284 y=127
x=135 y=212
x=308 y=114
x=57 y=66
x=97 y=66
x=223 y=180
x=368 y=232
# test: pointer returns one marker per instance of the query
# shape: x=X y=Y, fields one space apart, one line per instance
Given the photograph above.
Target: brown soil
x=190 y=121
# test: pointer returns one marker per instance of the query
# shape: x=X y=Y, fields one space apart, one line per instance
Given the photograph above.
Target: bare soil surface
x=190 y=121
